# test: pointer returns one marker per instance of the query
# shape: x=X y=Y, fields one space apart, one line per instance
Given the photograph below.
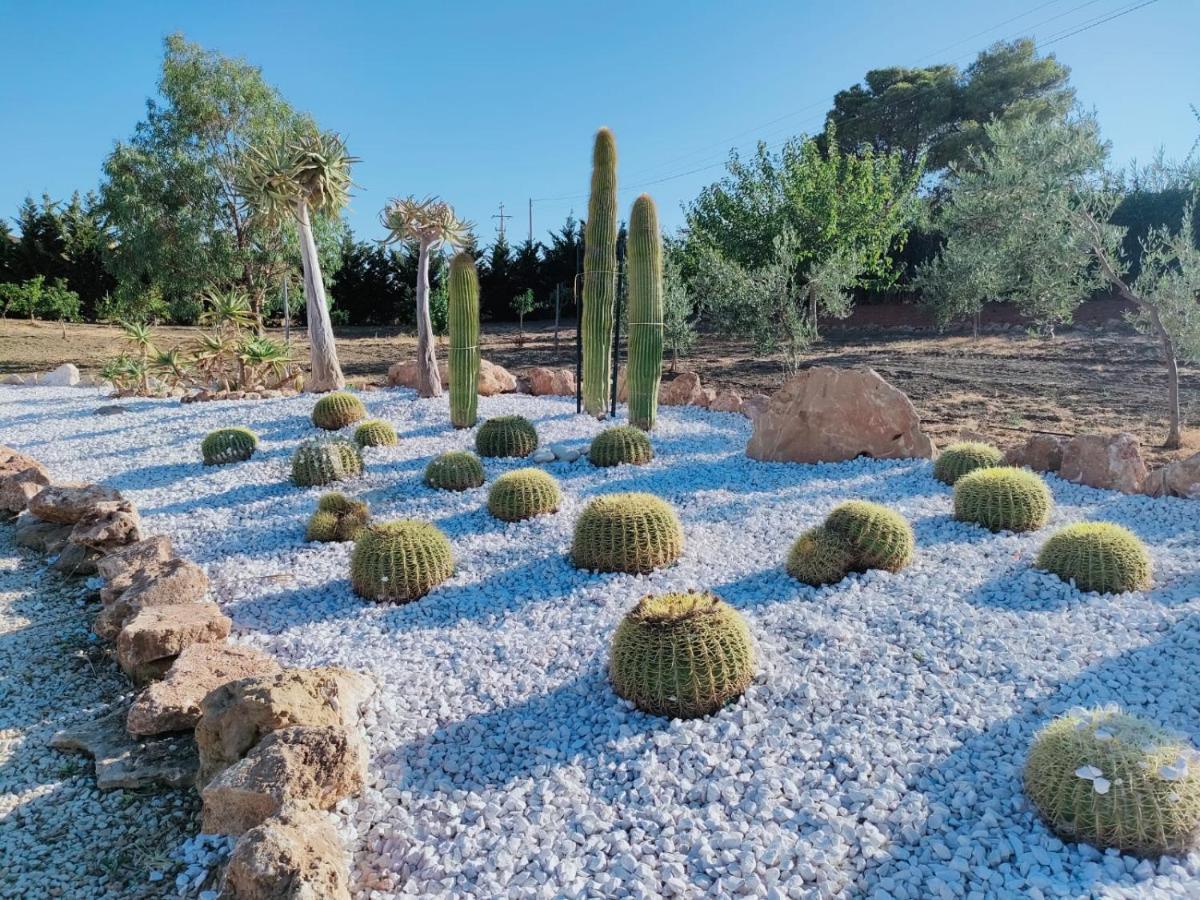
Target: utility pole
x=530 y=221
x=502 y=216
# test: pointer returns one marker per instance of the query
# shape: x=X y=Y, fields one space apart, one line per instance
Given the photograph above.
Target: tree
x=523 y=304
x=496 y=281
x=679 y=330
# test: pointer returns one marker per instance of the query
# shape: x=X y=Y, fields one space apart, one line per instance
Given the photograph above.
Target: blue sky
x=485 y=103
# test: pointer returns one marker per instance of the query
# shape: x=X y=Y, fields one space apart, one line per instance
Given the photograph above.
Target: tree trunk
x=429 y=382
x=1174 y=438
x=326 y=371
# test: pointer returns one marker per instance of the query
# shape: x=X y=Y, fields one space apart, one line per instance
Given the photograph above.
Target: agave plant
x=171 y=366
x=227 y=310
x=261 y=357
x=139 y=335
x=434 y=226
x=213 y=356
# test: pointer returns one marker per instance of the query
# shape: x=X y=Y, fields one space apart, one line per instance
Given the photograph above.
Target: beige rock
x=106 y=528
x=1112 y=461
x=727 y=401
x=66 y=375
x=683 y=390
x=235 y=716
x=545 y=382
x=76 y=560
x=151 y=640
x=314 y=764
x=827 y=414
x=295 y=856
x=130 y=763
x=127 y=560
x=171 y=583
x=21 y=477
x=493 y=379
x=173 y=704
x=754 y=405
x=66 y=504
x=45 y=537
x=1041 y=452
x=1180 y=478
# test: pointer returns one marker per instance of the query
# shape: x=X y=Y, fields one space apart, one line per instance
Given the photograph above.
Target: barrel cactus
x=375 y=433
x=523 y=494
x=878 y=537
x=337 y=410
x=681 y=655
x=627 y=533
x=226 y=445
x=400 y=561
x=455 y=470
x=462 y=315
x=1110 y=779
x=645 y=313
x=1097 y=556
x=959 y=459
x=337 y=518
x=1002 y=499
x=599 y=275
x=620 y=444
x=322 y=462
x=820 y=556
x=506 y=436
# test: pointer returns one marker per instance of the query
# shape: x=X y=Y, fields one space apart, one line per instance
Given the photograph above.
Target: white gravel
x=878 y=753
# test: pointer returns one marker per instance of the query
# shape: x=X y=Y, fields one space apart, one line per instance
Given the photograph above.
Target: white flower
x=1100 y=785
x=1089 y=772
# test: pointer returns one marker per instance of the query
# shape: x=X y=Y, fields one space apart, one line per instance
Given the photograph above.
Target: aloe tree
x=297 y=178
x=434 y=226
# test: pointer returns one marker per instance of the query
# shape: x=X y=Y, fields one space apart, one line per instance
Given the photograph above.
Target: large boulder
x=828 y=414
x=150 y=641
x=754 y=405
x=66 y=375
x=121 y=564
x=727 y=401
x=174 y=582
x=683 y=390
x=107 y=529
x=544 y=382
x=1112 y=461
x=1041 y=452
x=493 y=379
x=66 y=504
x=1180 y=478
x=295 y=856
x=21 y=477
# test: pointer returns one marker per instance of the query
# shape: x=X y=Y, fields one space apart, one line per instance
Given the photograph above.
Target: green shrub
x=226 y=445
x=626 y=533
x=400 y=561
x=620 y=444
x=337 y=410
x=959 y=459
x=1097 y=556
x=322 y=462
x=878 y=537
x=681 y=655
x=375 y=433
x=506 y=436
x=523 y=494
x=337 y=518
x=820 y=556
x=1002 y=499
x=1111 y=780
x=455 y=470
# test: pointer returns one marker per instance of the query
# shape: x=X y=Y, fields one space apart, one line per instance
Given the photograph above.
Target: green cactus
x=375 y=433
x=455 y=470
x=599 y=275
x=959 y=459
x=878 y=537
x=626 y=533
x=321 y=462
x=1097 y=556
x=681 y=655
x=523 y=494
x=400 y=561
x=463 y=317
x=337 y=410
x=226 y=445
x=820 y=556
x=337 y=518
x=644 y=369
x=1109 y=779
x=620 y=444
x=506 y=436
x=1002 y=499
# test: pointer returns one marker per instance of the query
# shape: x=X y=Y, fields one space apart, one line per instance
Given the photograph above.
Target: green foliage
x=400 y=561
x=337 y=518
x=464 y=341
x=620 y=444
x=1097 y=556
x=454 y=470
x=879 y=538
x=959 y=459
x=506 y=436
x=679 y=310
x=322 y=462
x=681 y=655
x=626 y=533
x=1109 y=779
x=375 y=433
x=1002 y=499
x=599 y=275
x=337 y=410
x=34 y=299
x=820 y=556
x=523 y=304
x=228 y=445
x=645 y=313
x=523 y=494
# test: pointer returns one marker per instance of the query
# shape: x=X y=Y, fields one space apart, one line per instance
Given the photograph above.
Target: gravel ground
x=877 y=754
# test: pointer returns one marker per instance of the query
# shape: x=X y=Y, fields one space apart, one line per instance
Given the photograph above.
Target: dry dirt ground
x=1098 y=375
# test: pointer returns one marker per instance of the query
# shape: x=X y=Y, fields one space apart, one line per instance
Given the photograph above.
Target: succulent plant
x=375 y=433
x=959 y=459
x=820 y=556
x=337 y=410
x=462 y=314
x=627 y=533
x=1002 y=499
x=337 y=518
x=322 y=462
x=506 y=436
x=599 y=275
x=620 y=444
x=523 y=494
x=226 y=445
x=681 y=655
x=455 y=470
x=1110 y=779
x=645 y=313
x=400 y=561
x=878 y=537
x=1097 y=556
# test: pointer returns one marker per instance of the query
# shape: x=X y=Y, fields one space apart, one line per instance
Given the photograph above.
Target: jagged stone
x=170 y=583
x=66 y=504
x=45 y=537
x=294 y=856
x=130 y=763
x=151 y=640
x=21 y=478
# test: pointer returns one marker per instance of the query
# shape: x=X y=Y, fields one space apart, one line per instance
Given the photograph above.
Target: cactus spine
x=463 y=316
x=599 y=275
x=645 y=313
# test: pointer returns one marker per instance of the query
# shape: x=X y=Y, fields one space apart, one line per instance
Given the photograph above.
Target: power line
x=1054 y=39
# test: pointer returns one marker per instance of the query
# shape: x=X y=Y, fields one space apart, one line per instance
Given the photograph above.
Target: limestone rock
x=66 y=504
x=544 y=382
x=754 y=405
x=151 y=640
x=493 y=379
x=726 y=401
x=683 y=390
x=127 y=560
x=45 y=537
x=66 y=375
x=113 y=409
x=1041 y=452
x=171 y=583
x=1180 y=478
x=21 y=477
x=295 y=856
x=130 y=763
x=76 y=560
x=1112 y=461
x=108 y=527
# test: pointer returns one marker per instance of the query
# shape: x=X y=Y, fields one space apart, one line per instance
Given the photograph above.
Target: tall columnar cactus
x=599 y=275
x=1097 y=556
x=463 y=317
x=645 y=313
x=400 y=561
